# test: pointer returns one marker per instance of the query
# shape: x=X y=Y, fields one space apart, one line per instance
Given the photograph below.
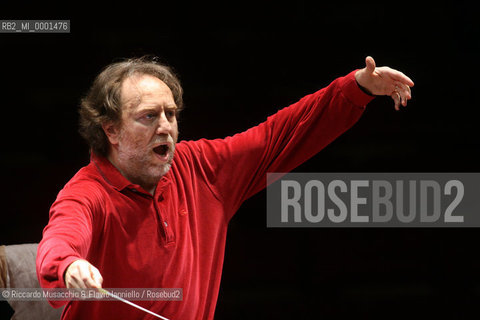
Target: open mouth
x=161 y=150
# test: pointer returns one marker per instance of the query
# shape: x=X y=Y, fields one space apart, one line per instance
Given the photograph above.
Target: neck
x=147 y=186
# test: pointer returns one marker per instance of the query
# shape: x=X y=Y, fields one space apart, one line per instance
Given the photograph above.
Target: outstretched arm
x=385 y=81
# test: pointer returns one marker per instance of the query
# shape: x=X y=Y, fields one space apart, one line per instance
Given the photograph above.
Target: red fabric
x=176 y=238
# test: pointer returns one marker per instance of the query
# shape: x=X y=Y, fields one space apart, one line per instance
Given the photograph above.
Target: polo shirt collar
x=110 y=173
x=115 y=178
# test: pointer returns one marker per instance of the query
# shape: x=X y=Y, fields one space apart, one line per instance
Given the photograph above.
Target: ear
x=112 y=132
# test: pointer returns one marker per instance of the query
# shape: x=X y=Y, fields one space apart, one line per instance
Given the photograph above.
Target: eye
x=147 y=118
x=170 y=113
x=150 y=116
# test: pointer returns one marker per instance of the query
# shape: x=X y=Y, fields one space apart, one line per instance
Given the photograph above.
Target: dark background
x=238 y=64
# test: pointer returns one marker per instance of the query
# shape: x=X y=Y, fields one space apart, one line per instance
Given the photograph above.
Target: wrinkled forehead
x=140 y=88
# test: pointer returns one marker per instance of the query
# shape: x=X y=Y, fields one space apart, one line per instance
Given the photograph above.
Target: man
x=150 y=213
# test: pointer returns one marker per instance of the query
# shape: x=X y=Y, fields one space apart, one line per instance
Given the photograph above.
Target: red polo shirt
x=176 y=238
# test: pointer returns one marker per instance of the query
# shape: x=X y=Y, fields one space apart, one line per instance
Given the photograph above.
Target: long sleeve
x=66 y=238
x=236 y=166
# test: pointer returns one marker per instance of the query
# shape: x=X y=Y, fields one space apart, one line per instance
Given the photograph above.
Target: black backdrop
x=240 y=63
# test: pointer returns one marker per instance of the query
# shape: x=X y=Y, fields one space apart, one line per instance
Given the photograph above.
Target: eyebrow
x=154 y=106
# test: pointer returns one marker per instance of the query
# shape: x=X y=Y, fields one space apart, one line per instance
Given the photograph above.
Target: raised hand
x=385 y=81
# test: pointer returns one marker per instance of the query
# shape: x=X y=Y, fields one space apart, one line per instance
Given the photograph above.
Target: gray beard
x=143 y=173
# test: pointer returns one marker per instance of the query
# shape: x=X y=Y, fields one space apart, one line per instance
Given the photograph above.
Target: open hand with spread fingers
x=385 y=81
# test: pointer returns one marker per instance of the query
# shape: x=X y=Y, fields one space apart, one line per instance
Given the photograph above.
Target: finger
x=96 y=276
x=69 y=282
x=74 y=280
x=397 y=76
x=396 y=98
x=370 y=64
x=409 y=91
x=78 y=284
x=85 y=276
x=404 y=91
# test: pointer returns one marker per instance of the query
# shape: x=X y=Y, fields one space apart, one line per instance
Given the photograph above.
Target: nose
x=164 y=126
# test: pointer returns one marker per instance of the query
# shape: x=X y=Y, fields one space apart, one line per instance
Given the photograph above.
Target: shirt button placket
x=168 y=231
